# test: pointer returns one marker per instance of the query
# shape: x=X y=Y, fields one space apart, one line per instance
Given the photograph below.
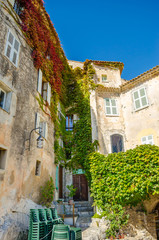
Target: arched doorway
x=117 y=144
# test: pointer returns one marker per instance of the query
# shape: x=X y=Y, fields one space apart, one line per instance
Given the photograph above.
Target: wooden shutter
x=8 y=101
x=45 y=130
x=12 y=48
x=45 y=89
x=48 y=93
x=9 y=45
x=40 y=81
x=37 y=121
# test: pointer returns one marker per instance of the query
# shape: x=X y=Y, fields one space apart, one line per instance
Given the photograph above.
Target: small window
x=147 y=140
x=117 y=143
x=111 y=107
x=3 y=154
x=2 y=98
x=140 y=98
x=69 y=122
x=5 y=99
x=38 y=168
x=104 y=78
x=12 y=48
x=17 y=8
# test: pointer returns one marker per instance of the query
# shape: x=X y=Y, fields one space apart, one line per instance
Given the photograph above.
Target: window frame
x=121 y=138
x=147 y=140
x=3 y=107
x=140 y=97
x=111 y=107
x=104 y=81
x=38 y=168
x=12 y=48
x=69 y=123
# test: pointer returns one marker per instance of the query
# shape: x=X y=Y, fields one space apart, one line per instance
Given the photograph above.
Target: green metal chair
x=56 y=217
x=60 y=232
x=75 y=233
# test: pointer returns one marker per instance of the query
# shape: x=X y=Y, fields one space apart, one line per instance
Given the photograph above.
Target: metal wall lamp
x=39 y=139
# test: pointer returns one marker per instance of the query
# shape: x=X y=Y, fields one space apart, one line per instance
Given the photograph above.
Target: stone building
x=26 y=131
x=125 y=114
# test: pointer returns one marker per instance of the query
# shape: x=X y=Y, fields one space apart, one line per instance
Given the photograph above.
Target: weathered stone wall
x=143 y=122
x=18 y=179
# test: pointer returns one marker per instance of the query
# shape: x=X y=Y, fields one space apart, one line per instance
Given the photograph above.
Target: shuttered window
x=111 y=107
x=12 y=48
x=140 y=99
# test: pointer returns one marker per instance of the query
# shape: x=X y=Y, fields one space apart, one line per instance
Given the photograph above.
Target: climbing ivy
x=122 y=179
x=79 y=141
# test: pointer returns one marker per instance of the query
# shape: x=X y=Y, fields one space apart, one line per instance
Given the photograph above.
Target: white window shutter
x=8 y=101
x=37 y=121
x=40 y=76
x=48 y=93
x=45 y=87
x=45 y=130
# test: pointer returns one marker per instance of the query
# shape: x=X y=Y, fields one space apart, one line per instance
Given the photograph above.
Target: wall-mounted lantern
x=39 y=139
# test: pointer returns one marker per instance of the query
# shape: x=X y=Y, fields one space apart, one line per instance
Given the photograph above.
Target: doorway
x=80 y=182
x=60 y=182
x=157 y=221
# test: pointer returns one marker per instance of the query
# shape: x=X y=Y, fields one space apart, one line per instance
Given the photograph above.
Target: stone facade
x=22 y=171
x=136 y=123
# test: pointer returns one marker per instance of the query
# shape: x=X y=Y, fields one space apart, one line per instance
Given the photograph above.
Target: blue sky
x=125 y=31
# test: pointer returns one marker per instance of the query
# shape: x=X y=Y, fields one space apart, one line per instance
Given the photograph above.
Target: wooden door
x=80 y=182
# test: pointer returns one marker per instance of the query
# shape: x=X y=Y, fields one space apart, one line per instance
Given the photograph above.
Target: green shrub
x=47 y=193
x=123 y=179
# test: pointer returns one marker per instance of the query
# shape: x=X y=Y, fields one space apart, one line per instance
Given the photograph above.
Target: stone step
x=86 y=213
x=84 y=209
x=83 y=222
x=82 y=204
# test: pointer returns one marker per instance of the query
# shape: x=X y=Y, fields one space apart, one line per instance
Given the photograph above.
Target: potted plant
x=72 y=192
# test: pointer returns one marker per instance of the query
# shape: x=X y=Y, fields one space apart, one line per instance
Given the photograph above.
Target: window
x=117 y=143
x=38 y=168
x=12 y=48
x=69 y=122
x=147 y=140
x=3 y=154
x=44 y=88
x=42 y=124
x=111 y=107
x=17 y=8
x=2 y=98
x=5 y=98
x=104 y=78
x=140 y=98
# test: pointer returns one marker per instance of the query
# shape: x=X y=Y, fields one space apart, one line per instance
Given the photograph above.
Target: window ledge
x=107 y=115
x=15 y=66
x=136 y=110
x=2 y=171
x=4 y=110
